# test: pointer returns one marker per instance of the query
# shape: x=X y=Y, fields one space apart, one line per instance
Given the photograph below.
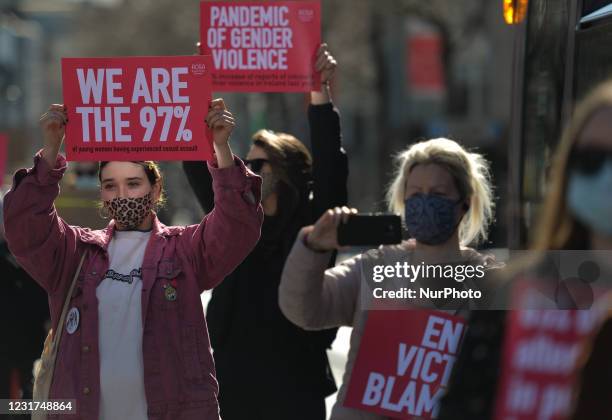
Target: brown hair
x=289 y=158
x=291 y=162
x=152 y=172
x=558 y=229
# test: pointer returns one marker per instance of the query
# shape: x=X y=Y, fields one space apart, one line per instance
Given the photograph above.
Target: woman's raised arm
x=230 y=231
x=44 y=244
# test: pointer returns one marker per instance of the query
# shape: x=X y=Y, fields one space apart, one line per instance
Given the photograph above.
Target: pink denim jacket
x=179 y=372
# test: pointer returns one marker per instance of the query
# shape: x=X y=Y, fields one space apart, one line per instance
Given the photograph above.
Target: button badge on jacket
x=170 y=290
x=72 y=320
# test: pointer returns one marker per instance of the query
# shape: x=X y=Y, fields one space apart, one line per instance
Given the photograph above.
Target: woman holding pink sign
x=134 y=344
x=267 y=367
x=444 y=194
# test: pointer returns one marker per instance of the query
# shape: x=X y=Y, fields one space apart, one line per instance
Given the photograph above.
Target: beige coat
x=315 y=298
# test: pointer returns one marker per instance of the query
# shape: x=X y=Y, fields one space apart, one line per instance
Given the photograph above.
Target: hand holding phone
x=370 y=230
x=323 y=236
x=343 y=226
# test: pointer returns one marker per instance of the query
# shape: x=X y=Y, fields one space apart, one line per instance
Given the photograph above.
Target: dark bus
x=562 y=49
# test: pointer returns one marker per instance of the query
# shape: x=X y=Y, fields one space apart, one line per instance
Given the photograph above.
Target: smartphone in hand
x=370 y=229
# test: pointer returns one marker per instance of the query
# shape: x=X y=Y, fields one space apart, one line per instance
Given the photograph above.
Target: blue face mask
x=431 y=219
x=589 y=197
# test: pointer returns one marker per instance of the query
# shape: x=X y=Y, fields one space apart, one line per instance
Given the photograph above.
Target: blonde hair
x=470 y=172
x=557 y=228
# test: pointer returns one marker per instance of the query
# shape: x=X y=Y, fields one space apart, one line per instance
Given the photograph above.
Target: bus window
x=593 y=57
x=542 y=99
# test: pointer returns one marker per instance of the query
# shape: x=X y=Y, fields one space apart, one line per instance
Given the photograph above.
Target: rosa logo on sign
x=198 y=69
x=306 y=15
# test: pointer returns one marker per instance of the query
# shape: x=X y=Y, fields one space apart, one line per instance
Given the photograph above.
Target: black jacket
x=256 y=349
x=24 y=311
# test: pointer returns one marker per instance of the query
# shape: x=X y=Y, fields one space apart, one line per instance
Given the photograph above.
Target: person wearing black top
x=24 y=312
x=267 y=367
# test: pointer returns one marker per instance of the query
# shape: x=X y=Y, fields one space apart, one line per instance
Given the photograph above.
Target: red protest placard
x=539 y=360
x=3 y=156
x=137 y=108
x=425 y=69
x=404 y=362
x=262 y=46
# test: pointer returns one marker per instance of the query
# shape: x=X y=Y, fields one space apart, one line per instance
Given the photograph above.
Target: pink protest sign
x=404 y=363
x=3 y=156
x=425 y=69
x=137 y=108
x=262 y=46
x=540 y=359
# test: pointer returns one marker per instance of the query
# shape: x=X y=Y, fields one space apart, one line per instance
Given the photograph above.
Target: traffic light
x=515 y=11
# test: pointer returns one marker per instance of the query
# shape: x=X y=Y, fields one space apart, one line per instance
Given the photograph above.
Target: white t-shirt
x=122 y=391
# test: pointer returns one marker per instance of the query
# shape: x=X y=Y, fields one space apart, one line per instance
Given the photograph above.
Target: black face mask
x=431 y=219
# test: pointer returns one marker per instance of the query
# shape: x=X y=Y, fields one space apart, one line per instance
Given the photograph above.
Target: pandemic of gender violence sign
x=262 y=46
x=404 y=363
x=137 y=108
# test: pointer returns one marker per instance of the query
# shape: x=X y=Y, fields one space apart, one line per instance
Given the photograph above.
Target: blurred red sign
x=137 y=108
x=3 y=156
x=261 y=46
x=539 y=358
x=425 y=69
x=404 y=362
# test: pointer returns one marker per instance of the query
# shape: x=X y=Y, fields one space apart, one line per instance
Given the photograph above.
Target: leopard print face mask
x=129 y=212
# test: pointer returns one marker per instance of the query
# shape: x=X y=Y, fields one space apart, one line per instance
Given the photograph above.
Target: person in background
x=24 y=313
x=443 y=193
x=268 y=368
x=135 y=343
x=576 y=215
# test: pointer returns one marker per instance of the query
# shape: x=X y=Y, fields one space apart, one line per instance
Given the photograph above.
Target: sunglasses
x=255 y=164
x=589 y=161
